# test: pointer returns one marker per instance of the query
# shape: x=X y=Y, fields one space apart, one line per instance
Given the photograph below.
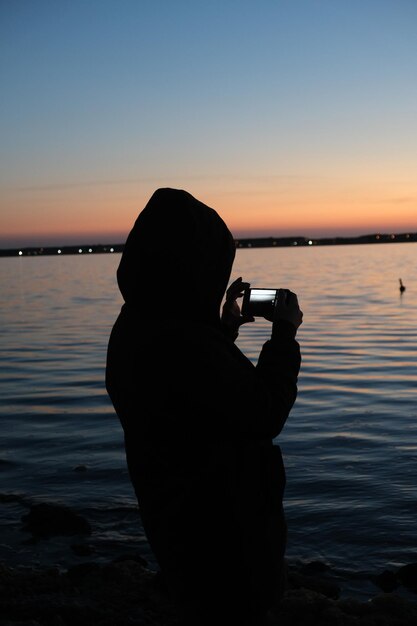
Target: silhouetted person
x=402 y=287
x=198 y=416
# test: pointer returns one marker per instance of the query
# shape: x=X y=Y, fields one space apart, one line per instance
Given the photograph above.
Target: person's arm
x=280 y=359
x=278 y=366
x=269 y=392
x=240 y=399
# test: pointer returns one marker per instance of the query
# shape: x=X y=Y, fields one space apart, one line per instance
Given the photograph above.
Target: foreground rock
x=117 y=594
x=126 y=593
x=405 y=576
x=48 y=520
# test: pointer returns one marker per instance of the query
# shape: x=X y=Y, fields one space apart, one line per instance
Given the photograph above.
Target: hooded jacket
x=198 y=416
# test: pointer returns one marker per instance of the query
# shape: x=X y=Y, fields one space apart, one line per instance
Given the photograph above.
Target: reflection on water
x=350 y=445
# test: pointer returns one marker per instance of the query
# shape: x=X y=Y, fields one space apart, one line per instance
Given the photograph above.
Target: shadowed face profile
x=177 y=259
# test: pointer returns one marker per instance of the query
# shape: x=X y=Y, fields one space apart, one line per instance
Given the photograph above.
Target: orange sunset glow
x=281 y=139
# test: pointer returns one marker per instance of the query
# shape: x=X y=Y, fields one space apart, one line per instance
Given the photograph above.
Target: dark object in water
x=407 y=575
x=402 y=287
x=387 y=581
x=47 y=520
x=82 y=549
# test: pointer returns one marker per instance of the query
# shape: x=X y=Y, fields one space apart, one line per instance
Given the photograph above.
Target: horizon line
x=240 y=242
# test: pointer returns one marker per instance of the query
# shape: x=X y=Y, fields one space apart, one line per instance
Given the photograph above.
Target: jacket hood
x=177 y=259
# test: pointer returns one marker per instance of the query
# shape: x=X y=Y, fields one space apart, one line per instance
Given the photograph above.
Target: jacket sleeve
x=247 y=401
x=278 y=366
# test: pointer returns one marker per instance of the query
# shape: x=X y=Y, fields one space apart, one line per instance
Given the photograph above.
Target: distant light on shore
x=257 y=242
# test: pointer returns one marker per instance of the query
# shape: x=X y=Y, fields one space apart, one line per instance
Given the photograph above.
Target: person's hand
x=287 y=308
x=231 y=315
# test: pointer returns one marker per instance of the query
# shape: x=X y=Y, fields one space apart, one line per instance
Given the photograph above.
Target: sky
x=289 y=117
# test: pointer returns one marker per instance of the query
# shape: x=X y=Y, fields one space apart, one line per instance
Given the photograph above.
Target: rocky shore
x=126 y=592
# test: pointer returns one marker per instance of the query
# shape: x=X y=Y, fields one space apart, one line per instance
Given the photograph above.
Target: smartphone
x=259 y=302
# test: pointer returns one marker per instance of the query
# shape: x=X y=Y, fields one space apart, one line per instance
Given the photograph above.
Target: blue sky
x=298 y=105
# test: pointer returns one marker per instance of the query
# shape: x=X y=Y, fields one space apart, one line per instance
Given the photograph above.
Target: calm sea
x=350 y=444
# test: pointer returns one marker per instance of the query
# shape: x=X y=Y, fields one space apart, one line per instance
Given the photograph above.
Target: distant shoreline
x=252 y=242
